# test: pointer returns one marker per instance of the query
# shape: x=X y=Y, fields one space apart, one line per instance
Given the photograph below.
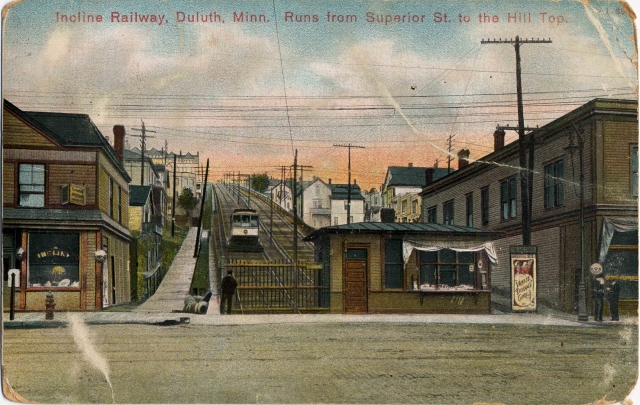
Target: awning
x=609 y=227
x=459 y=246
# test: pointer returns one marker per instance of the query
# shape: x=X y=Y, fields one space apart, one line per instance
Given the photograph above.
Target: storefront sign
x=74 y=194
x=523 y=279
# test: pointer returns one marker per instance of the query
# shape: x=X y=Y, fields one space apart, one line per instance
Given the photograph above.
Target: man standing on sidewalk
x=228 y=287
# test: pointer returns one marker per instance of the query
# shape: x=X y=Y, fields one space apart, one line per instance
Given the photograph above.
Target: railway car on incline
x=245 y=230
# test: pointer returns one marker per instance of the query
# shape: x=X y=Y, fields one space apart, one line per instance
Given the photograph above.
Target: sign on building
x=523 y=260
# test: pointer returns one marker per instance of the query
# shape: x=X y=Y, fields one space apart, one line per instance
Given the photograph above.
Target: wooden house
x=65 y=211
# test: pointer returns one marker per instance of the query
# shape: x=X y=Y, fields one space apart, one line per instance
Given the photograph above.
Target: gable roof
x=139 y=195
x=412 y=176
x=70 y=131
x=341 y=192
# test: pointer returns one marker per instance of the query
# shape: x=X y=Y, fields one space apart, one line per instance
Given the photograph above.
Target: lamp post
x=582 y=295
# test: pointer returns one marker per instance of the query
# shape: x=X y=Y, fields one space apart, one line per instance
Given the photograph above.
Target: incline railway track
x=268 y=281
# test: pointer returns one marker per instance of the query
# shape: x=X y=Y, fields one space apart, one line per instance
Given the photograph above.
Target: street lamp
x=582 y=295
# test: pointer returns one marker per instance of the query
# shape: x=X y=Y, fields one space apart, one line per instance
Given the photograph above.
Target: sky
x=310 y=75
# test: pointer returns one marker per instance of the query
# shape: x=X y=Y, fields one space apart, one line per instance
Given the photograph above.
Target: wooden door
x=355 y=281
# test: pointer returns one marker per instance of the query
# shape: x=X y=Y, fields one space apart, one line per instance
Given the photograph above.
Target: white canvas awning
x=609 y=227
x=459 y=246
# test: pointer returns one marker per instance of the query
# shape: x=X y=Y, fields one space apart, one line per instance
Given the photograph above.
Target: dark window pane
x=356 y=253
x=448 y=275
x=465 y=257
x=428 y=274
x=447 y=256
x=393 y=276
x=465 y=277
x=428 y=257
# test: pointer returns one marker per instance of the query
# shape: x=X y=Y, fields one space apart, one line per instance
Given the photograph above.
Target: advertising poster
x=316 y=201
x=524 y=295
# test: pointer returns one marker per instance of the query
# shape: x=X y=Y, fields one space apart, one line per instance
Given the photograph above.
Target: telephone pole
x=525 y=142
x=449 y=148
x=302 y=167
x=143 y=138
x=349 y=146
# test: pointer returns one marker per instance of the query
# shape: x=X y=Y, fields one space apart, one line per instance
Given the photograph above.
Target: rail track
x=268 y=281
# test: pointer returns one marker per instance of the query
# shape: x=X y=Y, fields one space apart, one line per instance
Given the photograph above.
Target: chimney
x=410 y=164
x=463 y=156
x=498 y=139
x=354 y=181
x=428 y=176
x=329 y=181
x=118 y=141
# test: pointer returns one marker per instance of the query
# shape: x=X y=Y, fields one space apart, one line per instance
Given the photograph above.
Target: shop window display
x=53 y=260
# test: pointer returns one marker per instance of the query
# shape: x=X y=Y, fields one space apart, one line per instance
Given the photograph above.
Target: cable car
x=245 y=224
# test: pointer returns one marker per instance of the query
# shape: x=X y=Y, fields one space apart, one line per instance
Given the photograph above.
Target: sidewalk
x=175 y=285
x=36 y=319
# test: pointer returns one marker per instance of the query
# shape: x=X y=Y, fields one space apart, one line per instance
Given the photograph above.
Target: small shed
x=374 y=267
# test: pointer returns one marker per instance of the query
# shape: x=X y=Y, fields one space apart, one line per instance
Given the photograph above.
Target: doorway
x=355 y=281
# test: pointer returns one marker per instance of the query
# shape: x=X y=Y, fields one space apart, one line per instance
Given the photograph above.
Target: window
x=335 y=220
x=446 y=269
x=53 y=259
x=414 y=207
x=447 y=213
x=393 y=263
x=484 y=206
x=553 y=184
x=404 y=206
x=120 y=204
x=508 y=199
x=111 y=198
x=469 y=215
x=31 y=185
x=432 y=215
x=634 y=171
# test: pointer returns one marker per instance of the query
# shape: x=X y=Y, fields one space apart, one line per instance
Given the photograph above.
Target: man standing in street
x=228 y=287
x=613 y=293
x=599 y=299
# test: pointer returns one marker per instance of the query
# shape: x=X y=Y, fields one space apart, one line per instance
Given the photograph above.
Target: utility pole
x=449 y=148
x=302 y=167
x=143 y=138
x=173 y=204
x=349 y=146
x=525 y=142
x=295 y=214
x=204 y=190
x=582 y=294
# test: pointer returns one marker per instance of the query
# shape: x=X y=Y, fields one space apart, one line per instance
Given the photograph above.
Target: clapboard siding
x=60 y=175
x=8 y=183
x=16 y=132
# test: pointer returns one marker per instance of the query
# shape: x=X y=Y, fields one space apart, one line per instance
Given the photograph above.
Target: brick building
x=485 y=194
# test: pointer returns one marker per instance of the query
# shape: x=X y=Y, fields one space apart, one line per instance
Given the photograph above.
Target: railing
x=278 y=287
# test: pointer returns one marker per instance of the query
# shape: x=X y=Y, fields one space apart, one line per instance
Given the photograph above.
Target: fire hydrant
x=49 y=306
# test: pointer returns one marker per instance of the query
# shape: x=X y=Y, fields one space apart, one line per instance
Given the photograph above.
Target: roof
x=600 y=106
x=341 y=192
x=70 y=130
x=412 y=176
x=138 y=195
x=399 y=228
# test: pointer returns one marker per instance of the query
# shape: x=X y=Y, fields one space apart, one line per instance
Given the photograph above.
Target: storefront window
x=622 y=263
x=53 y=259
x=446 y=269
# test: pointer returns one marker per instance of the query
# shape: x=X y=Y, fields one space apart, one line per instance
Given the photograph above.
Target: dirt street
x=329 y=363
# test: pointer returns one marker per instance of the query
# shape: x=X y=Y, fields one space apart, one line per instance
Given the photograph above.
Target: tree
x=187 y=200
x=259 y=182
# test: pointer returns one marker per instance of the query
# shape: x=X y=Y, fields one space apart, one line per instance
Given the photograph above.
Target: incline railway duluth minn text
x=369 y=17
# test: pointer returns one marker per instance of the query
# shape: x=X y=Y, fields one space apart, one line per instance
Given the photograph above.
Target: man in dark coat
x=228 y=288
x=613 y=293
x=599 y=298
